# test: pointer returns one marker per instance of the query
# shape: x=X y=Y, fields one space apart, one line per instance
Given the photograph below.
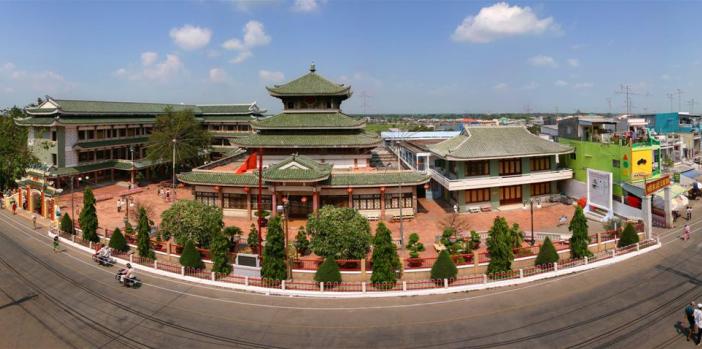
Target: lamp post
x=174 y=162
x=531 y=208
x=73 y=203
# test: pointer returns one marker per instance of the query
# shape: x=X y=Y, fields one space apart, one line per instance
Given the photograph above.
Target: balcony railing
x=499 y=181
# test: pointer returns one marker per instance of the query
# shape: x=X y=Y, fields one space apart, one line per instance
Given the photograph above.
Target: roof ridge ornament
x=313 y=68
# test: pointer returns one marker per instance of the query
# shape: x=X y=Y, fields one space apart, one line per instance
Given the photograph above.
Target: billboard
x=641 y=163
x=599 y=190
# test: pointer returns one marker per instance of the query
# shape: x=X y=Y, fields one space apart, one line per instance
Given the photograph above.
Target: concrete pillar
x=30 y=200
x=414 y=199
x=248 y=203
x=382 y=204
x=315 y=200
x=647 y=216
x=274 y=204
x=668 y=196
x=350 y=199
x=19 y=198
x=112 y=175
x=42 y=204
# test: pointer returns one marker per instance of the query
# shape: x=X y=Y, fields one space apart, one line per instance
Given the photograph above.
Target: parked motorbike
x=129 y=282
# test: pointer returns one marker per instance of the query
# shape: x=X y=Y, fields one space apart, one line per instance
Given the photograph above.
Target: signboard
x=599 y=190
x=676 y=177
x=657 y=184
x=641 y=163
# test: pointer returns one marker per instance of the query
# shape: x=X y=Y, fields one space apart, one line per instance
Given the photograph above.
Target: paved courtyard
x=429 y=222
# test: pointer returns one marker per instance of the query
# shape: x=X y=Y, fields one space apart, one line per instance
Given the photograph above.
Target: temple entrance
x=511 y=195
x=299 y=206
x=36 y=202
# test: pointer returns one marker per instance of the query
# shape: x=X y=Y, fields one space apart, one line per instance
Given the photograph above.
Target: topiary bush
x=629 y=236
x=274 y=264
x=252 y=240
x=414 y=246
x=386 y=262
x=67 y=224
x=143 y=238
x=579 y=238
x=190 y=257
x=87 y=218
x=219 y=248
x=328 y=272
x=547 y=253
x=302 y=244
x=444 y=268
x=118 y=242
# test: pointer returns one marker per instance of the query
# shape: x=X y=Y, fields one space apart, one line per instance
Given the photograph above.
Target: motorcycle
x=133 y=282
x=104 y=261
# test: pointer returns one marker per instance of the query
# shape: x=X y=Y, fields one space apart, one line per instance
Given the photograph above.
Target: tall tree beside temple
x=386 y=262
x=340 y=232
x=499 y=244
x=15 y=156
x=220 y=254
x=273 y=266
x=143 y=238
x=191 y=139
x=188 y=220
x=88 y=219
x=579 y=238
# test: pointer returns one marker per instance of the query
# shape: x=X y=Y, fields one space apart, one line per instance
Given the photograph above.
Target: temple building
x=313 y=155
x=98 y=141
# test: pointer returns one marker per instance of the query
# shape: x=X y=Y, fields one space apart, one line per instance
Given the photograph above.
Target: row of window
x=122 y=153
x=114 y=133
x=506 y=166
x=507 y=194
x=360 y=202
x=230 y=128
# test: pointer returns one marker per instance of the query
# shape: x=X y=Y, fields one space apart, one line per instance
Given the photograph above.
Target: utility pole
x=691 y=104
x=679 y=92
x=626 y=90
x=670 y=98
x=609 y=105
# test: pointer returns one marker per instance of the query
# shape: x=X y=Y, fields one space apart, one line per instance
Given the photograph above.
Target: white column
x=668 y=196
x=647 y=216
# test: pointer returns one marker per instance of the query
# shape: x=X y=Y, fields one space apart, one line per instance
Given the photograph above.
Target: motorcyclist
x=127 y=274
x=104 y=254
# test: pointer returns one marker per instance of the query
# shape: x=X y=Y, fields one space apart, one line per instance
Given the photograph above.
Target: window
x=266 y=202
x=123 y=132
x=329 y=104
x=81 y=135
x=100 y=134
x=615 y=163
x=511 y=195
x=540 y=188
x=131 y=132
x=366 y=202
x=393 y=200
x=510 y=167
x=477 y=168
x=234 y=200
x=206 y=198
x=54 y=159
x=452 y=167
x=231 y=127
x=291 y=105
x=53 y=135
x=542 y=163
x=90 y=134
x=85 y=156
x=477 y=195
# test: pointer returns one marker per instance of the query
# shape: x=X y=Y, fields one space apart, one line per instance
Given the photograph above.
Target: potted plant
x=414 y=247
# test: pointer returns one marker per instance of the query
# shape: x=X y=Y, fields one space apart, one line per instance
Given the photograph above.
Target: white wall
x=71 y=137
x=626 y=211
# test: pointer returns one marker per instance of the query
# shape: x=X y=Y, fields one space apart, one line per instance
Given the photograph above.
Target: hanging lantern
x=246 y=189
x=350 y=190
x=217 y=188
x=426 y=186
x=382 y=189
x=285 y=199
x=303 y=199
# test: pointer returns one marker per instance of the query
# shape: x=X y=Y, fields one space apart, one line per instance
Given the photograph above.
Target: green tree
x=340 y=232
x=516 y=236
x=302 y=244
x=629 y=236
x=547 y=253
x=252 y=240
x=579 y=238
x=143 y=238
x=414 y=246
x=188 y=220
x=88 y=219
x=386 y=262
x=67 y=224
x=219 y=250
x=231 y=232
x=190 y=257
x=444 y=268
x=128 y=229
x=15 y=155
x=328 y=271
x=118 y=242
x=191 y=139
x=273 y=266
x=499 y=245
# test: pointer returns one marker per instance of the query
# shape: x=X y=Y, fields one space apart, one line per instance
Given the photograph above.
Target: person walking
x=119 y=205
x=688 y=213
x=56 y=244
x=690 y=316
x=34 y=220
x=697 y=314
x=14 y=208
x=686 y=233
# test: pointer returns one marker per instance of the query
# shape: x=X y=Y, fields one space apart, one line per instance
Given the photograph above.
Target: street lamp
x=531 y=206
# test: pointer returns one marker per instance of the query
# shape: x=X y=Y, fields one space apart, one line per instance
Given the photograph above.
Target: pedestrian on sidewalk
x=56 y=244
x=686 y=233
x=688 y=213
x=34 y=220
x=697 y=314
x=14 y=208
x=119 y=205
x=690 y=316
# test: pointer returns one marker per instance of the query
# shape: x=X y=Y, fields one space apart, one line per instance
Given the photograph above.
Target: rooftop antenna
x=680 y=93
x=627 y=91
x=670 y=98
x=365 y=97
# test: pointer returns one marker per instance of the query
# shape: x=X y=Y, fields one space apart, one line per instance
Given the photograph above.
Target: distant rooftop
x=406 y=135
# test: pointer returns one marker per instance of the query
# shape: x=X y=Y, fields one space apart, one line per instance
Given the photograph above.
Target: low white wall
x=627 y=211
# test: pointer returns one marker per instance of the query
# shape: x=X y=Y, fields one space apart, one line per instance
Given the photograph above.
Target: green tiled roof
x=237 y=118
x=308 y=141
x=110 y=142
x=68 y=106
x=218 y=178
x=227 y=109
x=310 y=84
x=333 y=120
x=377 y=178
x=496 y=142
x=68 y=120
x=104 y=165
x=37 y=185
x=297 y=167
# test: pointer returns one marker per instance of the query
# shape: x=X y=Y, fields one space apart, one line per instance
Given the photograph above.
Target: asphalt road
x=57 y=300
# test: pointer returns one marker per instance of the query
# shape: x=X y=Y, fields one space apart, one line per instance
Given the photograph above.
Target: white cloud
x=665 y=77
x=272 y=76
x=149 y=58
x=543 y=61
x=161 y=71
x=44 y=82
x=247 y=6
x=305 y=6
x=218 y=75
x=7 y=67
x=500 y=86
x=189 y=37
x=583 y=85
x=573 y=62
x=560 y=83
x=254 y=35
x=502 y=20
x=530 y=86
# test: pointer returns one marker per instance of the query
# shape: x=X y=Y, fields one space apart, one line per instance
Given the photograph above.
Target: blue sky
x=404 y=56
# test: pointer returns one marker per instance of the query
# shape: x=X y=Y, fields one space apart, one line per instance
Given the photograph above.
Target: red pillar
x=29 y=199
x=273 y=203
x=315 y=201
x=19 y=198
x=382 y=203
x=248 y=203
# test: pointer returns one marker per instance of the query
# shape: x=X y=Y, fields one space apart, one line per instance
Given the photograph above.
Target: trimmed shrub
x=328 y=271
x=118 y=242
x=547 y=253
x=302 y=244
x=252 y=240
x=190 y=258
x=386 y=262
x=273 y=267
x=414 y=246
x=499 y=245
x=67 y=224
x=219 y=249
x=629 y=236
x=579 y=239
x=444 y=268
x=88 y=219
x=143 y=238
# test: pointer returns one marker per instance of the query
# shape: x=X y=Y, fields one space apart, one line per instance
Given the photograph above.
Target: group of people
x=166 y=194
x=693 y=314
x=121 y=202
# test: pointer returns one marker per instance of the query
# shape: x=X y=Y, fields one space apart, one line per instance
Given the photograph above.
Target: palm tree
x=177 y=137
